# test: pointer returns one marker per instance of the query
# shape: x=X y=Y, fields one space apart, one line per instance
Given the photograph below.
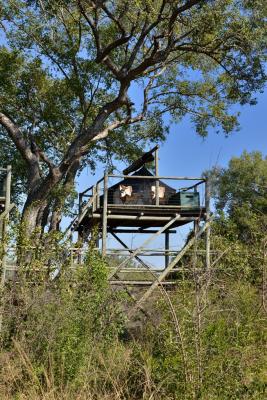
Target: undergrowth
x=69 y=337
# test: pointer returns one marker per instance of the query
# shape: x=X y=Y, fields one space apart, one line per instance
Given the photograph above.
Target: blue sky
x=185 y=153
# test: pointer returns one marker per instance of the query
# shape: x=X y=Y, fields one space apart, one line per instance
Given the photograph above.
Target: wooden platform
x=142 y=216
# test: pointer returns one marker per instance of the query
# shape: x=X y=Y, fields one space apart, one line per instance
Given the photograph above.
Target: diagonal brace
x=7 y=211
x=170 y=267
x=135 y=252
x=130 y=251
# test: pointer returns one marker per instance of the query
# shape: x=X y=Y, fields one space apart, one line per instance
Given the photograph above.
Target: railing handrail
x=176 y=178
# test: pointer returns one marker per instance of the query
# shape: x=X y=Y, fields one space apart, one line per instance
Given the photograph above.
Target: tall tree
x=240 y=192
x=70 y=69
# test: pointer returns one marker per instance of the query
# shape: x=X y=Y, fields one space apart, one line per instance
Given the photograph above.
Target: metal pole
x=104 y=216
x=207 y=205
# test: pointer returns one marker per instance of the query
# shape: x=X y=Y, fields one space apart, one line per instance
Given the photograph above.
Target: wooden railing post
x=94 y=198
x=98 y=193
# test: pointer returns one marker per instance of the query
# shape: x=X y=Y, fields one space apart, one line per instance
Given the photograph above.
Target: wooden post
x=5 y=221
x=94 y=198
x=207 y=205
x=80 y=202
x=167 y=248
x=80 y=236
x=4 y=229
x=157 y=174
x=104 y=216
x=98 y=192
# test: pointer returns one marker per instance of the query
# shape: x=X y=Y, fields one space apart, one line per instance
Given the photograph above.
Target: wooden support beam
x=173 y=178
x=125 y=217
x=157 y=174
x=94 y=200
x=130 y=251
x=163 y=275
x=105 y=216
x=167 y=248
x=4 y=221
x=139 y=283
x=161 y=230
x=98 y=193
x=207 y=205
x=117 y=230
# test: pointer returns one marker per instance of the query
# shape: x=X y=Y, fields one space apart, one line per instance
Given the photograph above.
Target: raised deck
x=101 y=205
x=142 y=216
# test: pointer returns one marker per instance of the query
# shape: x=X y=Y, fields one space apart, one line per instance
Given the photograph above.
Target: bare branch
x=115 y=125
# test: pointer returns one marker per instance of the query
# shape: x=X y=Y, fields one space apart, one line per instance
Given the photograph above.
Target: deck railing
x=103 y=196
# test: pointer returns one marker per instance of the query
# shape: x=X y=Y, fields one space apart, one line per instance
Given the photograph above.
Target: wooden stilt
x=167 y=248
x=104 y=216
x=207 y=205
x=3 y=223
x=157 y=174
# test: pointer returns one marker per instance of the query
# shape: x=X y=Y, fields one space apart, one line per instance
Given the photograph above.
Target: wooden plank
x=139 y=283
x=152 y=206
x=116 y=230
x=150 y=239
x=142 y=218
x=163 y=275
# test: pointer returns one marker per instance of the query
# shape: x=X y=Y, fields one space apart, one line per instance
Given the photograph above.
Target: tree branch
x=15 y=134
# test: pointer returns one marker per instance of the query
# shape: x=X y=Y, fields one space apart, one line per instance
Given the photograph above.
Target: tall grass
x=70 y=338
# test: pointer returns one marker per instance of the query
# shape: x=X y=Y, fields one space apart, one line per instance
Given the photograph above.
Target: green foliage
x=69 y=337
x=240 y=193
x=61 y=324
x=219 y=354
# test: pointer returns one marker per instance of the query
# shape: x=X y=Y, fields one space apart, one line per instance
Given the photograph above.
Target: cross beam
x=170 y=267
x=161 y=230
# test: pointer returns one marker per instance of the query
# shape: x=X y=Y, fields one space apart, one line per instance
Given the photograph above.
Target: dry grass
x=105 y=378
